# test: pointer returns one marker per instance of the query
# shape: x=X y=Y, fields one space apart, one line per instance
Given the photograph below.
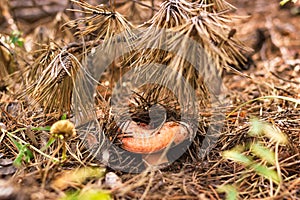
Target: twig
x=283 y=79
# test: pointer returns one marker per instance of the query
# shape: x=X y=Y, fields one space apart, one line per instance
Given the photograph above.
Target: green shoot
x=64 y=116
x=46 y=128
x=24 y=152
x=231 y=192
x=16 y=38
x=261 y=157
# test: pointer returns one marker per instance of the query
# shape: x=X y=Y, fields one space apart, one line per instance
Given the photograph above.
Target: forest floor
x=269 y=90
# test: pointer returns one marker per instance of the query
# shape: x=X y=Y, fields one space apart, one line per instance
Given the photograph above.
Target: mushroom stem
x=155 y=159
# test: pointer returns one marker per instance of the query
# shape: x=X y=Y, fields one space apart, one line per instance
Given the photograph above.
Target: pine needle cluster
x=186 y=44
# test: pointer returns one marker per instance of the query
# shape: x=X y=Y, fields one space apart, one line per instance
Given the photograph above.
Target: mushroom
x=152 y=143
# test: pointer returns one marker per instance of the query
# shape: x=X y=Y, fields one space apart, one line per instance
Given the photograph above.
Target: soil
x=272 y=75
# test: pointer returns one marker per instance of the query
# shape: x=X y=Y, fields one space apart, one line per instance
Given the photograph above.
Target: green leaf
x=18 y=161
x=64 y=116
x=46 y=128
x=263 y=152
x=25 y=153
x=17 y=144
x=16 y=38
x=266 y=172
x=230 y=190
x=237 y=157
x=49 y=143
x=28 y=153
x=20 y=42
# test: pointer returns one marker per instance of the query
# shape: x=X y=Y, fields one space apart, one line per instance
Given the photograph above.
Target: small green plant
x=24 y=152
x=16 y=38
x=256 y=156
x=62 y=130
x=24 y=148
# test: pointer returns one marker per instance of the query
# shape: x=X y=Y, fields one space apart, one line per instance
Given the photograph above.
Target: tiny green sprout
x=16 y=38
x=24 y=152
x=23 y=147
x=46 y=128
x=64 y=116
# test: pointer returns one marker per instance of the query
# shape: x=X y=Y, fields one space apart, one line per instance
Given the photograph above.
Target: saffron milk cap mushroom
x=151 y=144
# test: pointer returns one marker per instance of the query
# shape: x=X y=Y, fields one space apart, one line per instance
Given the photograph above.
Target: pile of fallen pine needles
x=37 y=93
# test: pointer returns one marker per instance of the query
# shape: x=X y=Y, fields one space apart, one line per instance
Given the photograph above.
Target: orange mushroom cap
x=142 y=142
